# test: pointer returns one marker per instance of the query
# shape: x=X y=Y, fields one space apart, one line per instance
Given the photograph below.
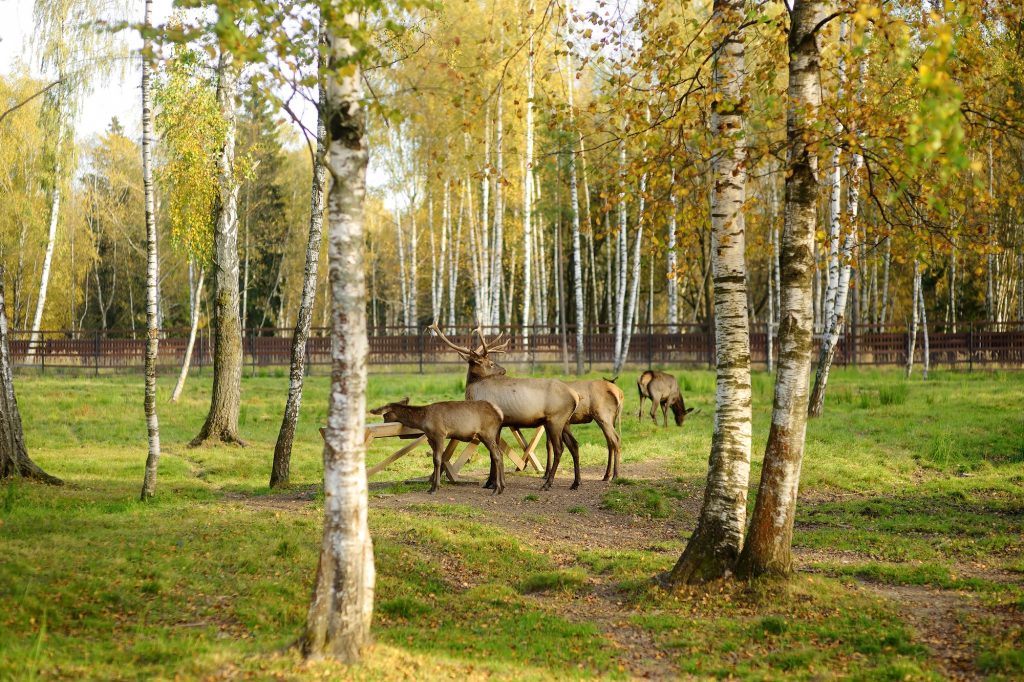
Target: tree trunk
x=769 y=540
x=341 y=609
x=914 y=308
x=924 y=329
x=194 y=299
x=222 y=421
x=528 y=189
x=51 y=239
x=836 y=317
x=14 y=459
x=634 y=290
x=577 y=252
x=279 y=473
x=620 y=263
x=715 y=544
x=152 y=273
x=499 y=213
x=886 y=262
x=673 y=285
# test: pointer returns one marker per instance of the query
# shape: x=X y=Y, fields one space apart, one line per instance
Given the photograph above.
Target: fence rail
x=977 y=343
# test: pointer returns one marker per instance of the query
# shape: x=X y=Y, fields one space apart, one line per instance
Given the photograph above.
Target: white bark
x=497 y=250
x=926 y=360
x=914 y=309
x=577 y=259
x=528 y=180
x=338 y=624
x=195 y=295
x=620 y=264
x=152 y=273
x=673 y=284
x=769 y=541
x=716 y=543
x=51 y=240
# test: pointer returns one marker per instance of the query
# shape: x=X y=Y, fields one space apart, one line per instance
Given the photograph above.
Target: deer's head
x=479 y=364
x=388 y=411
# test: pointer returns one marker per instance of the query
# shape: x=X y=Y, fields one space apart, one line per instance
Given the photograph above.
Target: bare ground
x=561 y=521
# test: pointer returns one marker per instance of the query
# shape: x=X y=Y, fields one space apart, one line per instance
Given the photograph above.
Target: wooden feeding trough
x=450 y=467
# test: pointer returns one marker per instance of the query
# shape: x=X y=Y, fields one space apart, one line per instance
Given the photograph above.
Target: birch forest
x=543 y=166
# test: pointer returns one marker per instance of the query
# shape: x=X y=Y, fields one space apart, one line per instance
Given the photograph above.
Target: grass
x=909 y=484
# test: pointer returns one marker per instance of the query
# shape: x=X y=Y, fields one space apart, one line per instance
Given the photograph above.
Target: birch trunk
x=912 y=333
x=152 y=273
x=926 y=360
x=281 y=469
x=715 y=544
x=499 y=214
x=402 y=278
x=634 y=291
x=836 y=317
x=414 y=244
x=769 y=540
x=577 y=258
x=51 y=239
x=673 y=285
x=338 y=624
x=620 y=262
x=886 y=262
x=194 y=299
x=222 y=421
x=528 y=191
x=14 y=459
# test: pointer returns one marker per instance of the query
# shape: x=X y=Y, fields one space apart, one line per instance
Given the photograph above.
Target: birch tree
x=338 y=624
x=14 y=459
x=152 y=269
x=281 y=469
x=715 y=545
x=222 y=420
x=769 y=539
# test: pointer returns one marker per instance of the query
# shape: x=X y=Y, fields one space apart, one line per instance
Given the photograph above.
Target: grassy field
x=909 y=543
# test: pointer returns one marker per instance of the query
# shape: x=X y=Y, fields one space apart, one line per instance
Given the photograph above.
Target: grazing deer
x=600 y=401
x=663 y=390
x=463 y=420
x=525 y=403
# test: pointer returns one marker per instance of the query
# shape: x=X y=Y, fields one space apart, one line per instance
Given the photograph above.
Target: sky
x=118 y=97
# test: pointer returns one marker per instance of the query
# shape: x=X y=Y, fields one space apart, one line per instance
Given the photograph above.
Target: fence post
x=42 y=356
x=422 y=344
x=650 y=345
x=970 y=348
x=96 y=351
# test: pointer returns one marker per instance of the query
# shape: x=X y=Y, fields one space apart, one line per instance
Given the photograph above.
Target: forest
x=762 y=188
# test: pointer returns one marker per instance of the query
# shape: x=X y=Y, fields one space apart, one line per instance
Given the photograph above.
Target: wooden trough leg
x=467 y=454
x=451 y=473
x=511 y=454
x=391 y=458
x=531 y=448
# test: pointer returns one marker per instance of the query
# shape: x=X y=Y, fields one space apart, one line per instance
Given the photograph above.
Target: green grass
x=904 y=484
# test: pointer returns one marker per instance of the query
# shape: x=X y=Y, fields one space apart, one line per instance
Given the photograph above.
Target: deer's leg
x=664 y=412
x=612 y=438
x=547 y=466
x=554 y=435
x=497 y=466
x=437 y=445
x=640 y=411
x=574 y=450
x=654 y=411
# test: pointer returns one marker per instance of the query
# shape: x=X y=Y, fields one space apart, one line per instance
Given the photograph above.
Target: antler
x=493 y=348
x=461 y=350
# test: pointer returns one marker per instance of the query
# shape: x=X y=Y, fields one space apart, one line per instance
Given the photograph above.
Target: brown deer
x=663 y=390
x=600 y=401
x=463 y=420
x=525 y=403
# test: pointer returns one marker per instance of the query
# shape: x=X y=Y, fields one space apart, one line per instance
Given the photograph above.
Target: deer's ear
x=688 y=410
x=379 y=410
x=404 y=401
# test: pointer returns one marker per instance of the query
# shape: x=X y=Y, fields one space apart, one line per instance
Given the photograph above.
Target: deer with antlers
x=525 y=403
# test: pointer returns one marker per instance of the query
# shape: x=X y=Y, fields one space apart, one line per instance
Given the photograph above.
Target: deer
x=524 y=402
x=600 y=401
x=663 y=390
x=463 y=420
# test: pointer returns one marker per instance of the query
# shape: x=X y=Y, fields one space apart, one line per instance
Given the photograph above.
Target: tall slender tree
x=281 y=469
x=152 y=268
x=338 y=624
x=222 y=420
x=715 y=544
x=769 y=539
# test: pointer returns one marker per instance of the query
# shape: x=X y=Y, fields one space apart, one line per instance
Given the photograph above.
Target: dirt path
x=562 y=522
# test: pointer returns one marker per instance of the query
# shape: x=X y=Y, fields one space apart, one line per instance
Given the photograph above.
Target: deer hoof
x=575 y=486
x=432 y=490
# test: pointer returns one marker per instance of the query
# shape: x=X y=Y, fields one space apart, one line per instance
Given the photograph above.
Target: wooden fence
x=973 y=344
